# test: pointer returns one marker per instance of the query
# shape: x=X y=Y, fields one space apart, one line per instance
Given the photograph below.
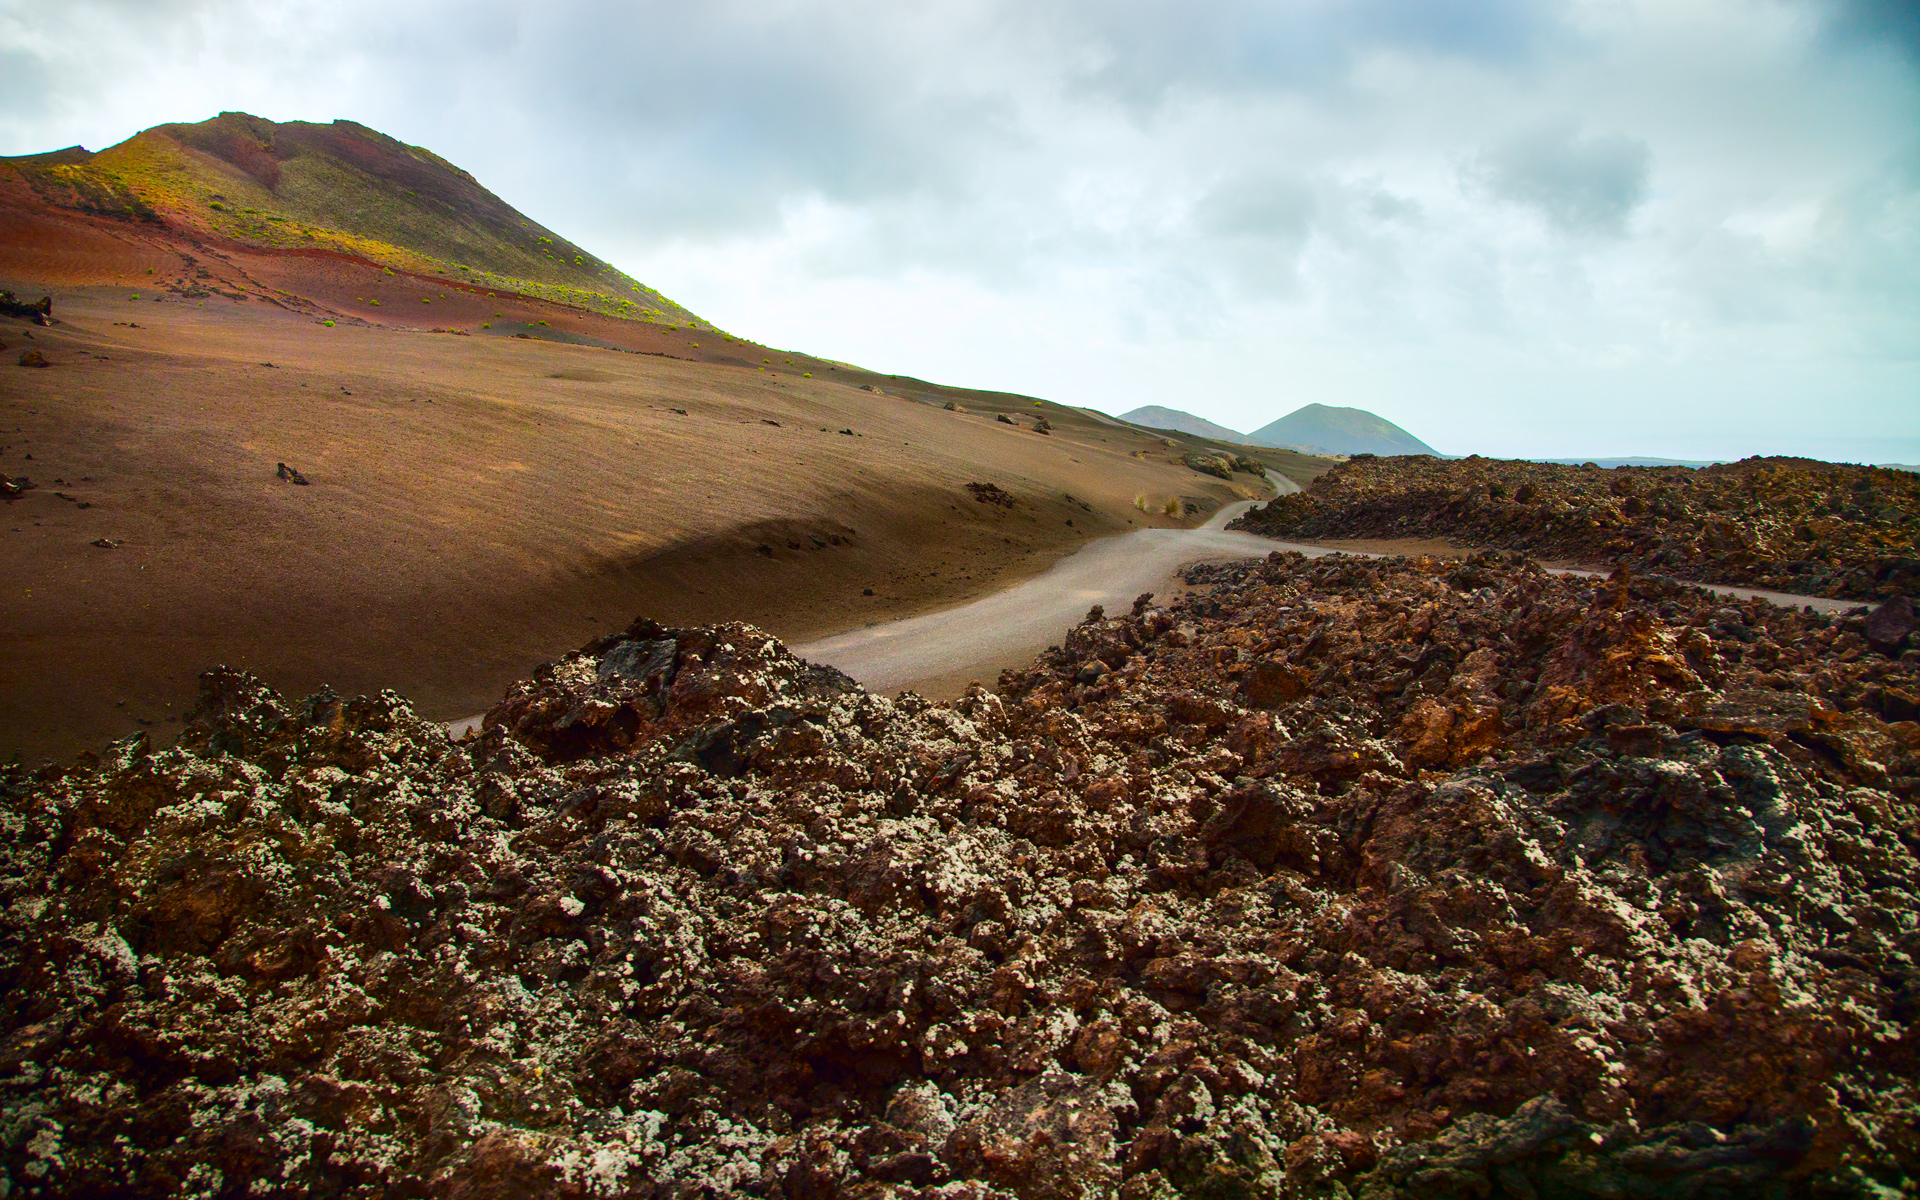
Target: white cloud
x=1581 y=183
x=1597 y=226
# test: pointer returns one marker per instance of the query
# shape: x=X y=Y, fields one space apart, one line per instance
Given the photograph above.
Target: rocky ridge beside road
x=1382 y=878
x=1785 y=524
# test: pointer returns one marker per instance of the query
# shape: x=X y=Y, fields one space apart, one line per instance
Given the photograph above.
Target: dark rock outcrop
x=1217 y=465
x=988 y=493
x=33 y=310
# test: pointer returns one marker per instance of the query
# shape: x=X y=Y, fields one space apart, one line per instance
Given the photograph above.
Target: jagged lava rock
x=1785 y=524
x=1340 y=878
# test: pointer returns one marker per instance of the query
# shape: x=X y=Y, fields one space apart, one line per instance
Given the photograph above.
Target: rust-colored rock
x=1380 y=878
x=1786 y=524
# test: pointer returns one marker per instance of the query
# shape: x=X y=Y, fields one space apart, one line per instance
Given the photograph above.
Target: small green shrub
x=328 y=324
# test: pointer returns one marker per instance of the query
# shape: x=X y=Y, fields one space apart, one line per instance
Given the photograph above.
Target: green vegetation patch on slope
x=340 y=188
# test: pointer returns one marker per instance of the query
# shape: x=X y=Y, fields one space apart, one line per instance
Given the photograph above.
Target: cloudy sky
x=1677 y=227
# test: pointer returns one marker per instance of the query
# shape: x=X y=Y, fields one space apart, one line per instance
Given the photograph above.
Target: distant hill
x=339 y=189
x=1155 y=417
x=1321 y=429
x=1680 y=462
x=1610 y=463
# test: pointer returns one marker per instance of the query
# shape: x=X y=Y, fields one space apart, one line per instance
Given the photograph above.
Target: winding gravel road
x=1029 y=617
x=1023 y=620
x=1016 y=624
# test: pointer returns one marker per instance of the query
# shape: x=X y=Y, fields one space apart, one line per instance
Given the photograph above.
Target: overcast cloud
x=1677 y=227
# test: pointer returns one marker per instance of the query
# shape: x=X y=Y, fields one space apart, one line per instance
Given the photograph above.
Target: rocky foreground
x=1340 y=878
x=1783 y=524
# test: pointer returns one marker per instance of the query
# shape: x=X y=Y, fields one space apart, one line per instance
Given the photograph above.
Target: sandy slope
x=479 y=504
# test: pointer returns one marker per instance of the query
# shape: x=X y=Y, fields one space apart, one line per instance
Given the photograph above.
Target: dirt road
x=937 y=653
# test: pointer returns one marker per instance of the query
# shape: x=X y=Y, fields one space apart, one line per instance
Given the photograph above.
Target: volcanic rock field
x=1333 y=878
x=1784 y=524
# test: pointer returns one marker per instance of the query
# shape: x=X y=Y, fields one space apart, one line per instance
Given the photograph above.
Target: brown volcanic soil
x=1394 y=879
x=1783 y=524
x=474 y=500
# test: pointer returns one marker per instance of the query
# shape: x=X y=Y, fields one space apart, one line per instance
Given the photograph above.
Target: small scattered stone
x=1890 y=626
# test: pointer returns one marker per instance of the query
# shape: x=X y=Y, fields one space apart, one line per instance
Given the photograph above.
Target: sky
x=1686 y=228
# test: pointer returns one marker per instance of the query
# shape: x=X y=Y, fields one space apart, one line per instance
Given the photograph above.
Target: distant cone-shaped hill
x=1321 y=429
x=340 y=188
x=1154 y=416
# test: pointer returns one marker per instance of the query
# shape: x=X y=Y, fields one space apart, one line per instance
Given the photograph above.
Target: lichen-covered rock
x=1788 y=524
x=1338 y=878
x=1217 y=465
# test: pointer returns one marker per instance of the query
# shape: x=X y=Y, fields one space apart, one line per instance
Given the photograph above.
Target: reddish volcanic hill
x=504 y=439
x=338 y=192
